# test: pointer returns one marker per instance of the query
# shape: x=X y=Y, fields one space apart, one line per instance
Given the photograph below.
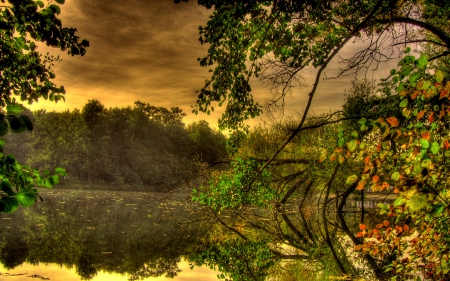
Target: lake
x=98 y=235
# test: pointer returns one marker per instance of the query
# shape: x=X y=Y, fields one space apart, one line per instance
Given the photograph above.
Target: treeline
x=143 y=146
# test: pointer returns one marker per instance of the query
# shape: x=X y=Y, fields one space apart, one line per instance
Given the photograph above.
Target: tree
x=27 y=75
x=398 y=138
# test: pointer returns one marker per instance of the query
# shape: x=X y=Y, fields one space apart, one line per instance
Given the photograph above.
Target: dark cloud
x=147 y=50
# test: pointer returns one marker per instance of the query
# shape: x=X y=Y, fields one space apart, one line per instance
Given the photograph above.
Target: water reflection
x=130 y=234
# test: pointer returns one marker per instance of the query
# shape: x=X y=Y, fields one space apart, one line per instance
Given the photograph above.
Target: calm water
x=97 y=235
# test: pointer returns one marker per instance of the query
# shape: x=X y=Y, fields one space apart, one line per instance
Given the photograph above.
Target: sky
x=147 y=50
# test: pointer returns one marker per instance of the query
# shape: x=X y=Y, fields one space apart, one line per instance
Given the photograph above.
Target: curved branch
x=431 y=28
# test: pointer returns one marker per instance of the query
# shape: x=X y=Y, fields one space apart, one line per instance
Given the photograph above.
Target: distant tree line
x=140 y=145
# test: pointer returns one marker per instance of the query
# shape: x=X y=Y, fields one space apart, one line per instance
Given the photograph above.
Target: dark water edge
x=85 y=234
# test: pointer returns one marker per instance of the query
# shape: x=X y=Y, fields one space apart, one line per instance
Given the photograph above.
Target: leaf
x=14 y=108
x=60 y=171
x=10 y=203
x=361 y=185
x=395 y=176
x=438 y=209
x=422 y=62
x=362 y=226
x=424 y=143
x=392 y=121
x=351 y=179
x=420 y=114
x=40 y=3
x=435 y=148
x=60 y=1
x=55 y=9
x=439 y=76
x=15 y=124
x=6 y=187
x=352 y=145
x=26 y=197
x=404 y=103
x=375 y=178
x=413 y=78
x=385 y=223
x=26 y=121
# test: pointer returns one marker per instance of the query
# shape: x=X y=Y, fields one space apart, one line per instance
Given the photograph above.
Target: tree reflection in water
x=117 y=232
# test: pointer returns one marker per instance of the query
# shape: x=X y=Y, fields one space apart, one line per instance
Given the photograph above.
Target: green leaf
x=422 y=62
x=14 y=108
x=26 y=197
x=55 y=9
x=10 y=203
x=352 y=145
x=424 y=143
x=40 y=3
x=413 y=78
x=399 y=201
x=55 y=179
x=438 y=209
x=60 y=1
x=435 y=148
x=26 y=122
x=6 y=187
x=395 y=176
x=14 y=124
x=404 y=103
x=439 y=76
x=60 y=171
x=351 y=179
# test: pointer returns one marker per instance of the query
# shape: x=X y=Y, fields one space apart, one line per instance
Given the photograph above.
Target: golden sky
x=147 y=51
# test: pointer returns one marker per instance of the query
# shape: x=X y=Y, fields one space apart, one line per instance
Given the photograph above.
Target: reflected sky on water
x=98 y=235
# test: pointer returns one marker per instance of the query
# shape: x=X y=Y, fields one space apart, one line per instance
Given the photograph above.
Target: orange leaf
x=443 y=94
x=366 y=169
x=362 y=226
x=367 y=159
x=375 y=231
x=392 y=121
x=441 y=114
x=384 y=186
x=358 y=247
x=446 y=144
x=396 y=190
x=380 y=225
x=385 y=223
x=405 y=227
x=333 y=157
x=431 y=117
x=399 y=228
x=379 y=147
x=420 y=114
x=361 y=185
x=426 y=135
x=359 y=234
x=375 y=179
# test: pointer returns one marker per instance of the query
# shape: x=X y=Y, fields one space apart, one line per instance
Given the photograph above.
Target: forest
x=142 y=147
x=281 y=201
